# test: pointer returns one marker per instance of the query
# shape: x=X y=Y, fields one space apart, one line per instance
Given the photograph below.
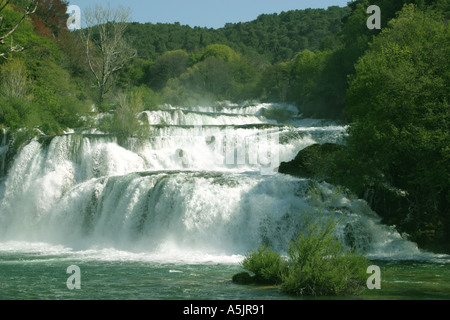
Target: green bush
x=266 y=264
x=124 y=122
x=18 y=113
x=398 y=101
x=318 y=263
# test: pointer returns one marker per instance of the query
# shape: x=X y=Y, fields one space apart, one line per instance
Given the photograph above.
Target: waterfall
x=189 y=190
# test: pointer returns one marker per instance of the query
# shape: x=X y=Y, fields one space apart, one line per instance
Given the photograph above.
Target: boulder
x=312 y=162
x=243 y=278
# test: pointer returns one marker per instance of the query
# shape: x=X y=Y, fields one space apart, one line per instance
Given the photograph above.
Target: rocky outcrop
x=312 y=162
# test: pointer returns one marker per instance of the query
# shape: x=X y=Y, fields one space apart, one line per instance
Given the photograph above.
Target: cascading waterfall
x=230 y=108
x=188 y=191
x=179 y=117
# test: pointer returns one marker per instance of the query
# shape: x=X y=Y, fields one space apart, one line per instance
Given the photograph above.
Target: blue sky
x=206 y=13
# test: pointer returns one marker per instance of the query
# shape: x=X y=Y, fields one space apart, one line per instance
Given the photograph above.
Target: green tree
x=54 y=91
x=399 y=104
x=245 y=79
x=221 y=52
x=213 y=75
x=10 y=22
x=267 y=265
x=170 y=65
x=124 y=123
x=305 y=69
x=275 y=82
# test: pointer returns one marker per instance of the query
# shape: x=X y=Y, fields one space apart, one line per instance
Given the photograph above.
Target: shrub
x=266 y=264
x=124 y=122
x=318 y=263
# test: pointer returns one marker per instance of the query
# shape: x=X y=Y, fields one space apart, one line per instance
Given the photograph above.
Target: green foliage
x=275 y=82
x=328 y=95
x=267 y=265
x=317 y=161
x=170 y=65
x=14 y=79
x=240 y=61
x=124 y=122
x=18 y=113
x=23 y=36
x=398 y=101
x=37 y=90
x=221 y=52
x=57 y=95
x=144 y=97
x=136 y=73
x=277 y=37
x=305 y=69
x=219 y=74
x=319 y=265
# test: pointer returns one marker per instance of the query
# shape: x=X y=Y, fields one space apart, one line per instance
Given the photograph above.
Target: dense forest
x=278 y=37
x=241 y=61
x=389 y=85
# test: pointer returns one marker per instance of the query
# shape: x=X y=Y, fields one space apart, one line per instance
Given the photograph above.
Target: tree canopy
x=398 y=101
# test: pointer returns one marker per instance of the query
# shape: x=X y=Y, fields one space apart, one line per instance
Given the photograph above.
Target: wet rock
x=312 y=162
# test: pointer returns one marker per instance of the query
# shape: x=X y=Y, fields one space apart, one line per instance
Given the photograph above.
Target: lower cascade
x=188 y=193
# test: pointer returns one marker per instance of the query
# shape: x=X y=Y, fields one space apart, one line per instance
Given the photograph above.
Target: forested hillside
x=277 y=37
x=41 y=82
x=54 y=84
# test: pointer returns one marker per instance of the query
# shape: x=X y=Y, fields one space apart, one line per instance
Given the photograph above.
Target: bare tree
x=106 y=48
x=28 y=9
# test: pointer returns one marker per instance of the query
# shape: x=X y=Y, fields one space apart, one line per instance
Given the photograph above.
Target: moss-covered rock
x=314 y=161
x=243 y=278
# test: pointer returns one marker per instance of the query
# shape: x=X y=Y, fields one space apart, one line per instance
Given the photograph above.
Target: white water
x=230 y=108
x=191 y=194
x=181 y=118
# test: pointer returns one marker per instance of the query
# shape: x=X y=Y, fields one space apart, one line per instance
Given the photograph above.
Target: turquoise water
x=38 y=276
